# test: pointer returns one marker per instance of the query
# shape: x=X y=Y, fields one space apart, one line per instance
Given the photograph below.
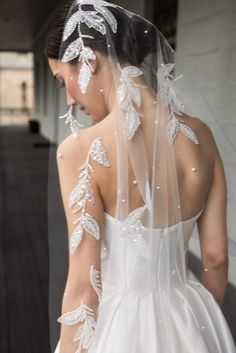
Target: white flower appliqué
x=168 y=95
x=128 y=95
x=82 y=193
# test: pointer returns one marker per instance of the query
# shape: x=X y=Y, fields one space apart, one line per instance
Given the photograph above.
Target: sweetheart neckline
x=161 y=229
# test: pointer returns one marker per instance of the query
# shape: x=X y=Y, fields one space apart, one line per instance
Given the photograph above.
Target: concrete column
x=206 y=47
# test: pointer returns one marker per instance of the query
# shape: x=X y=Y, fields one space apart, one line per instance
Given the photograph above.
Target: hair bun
x=138 y=39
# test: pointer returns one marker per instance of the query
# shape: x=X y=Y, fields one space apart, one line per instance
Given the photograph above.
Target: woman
x=133 y=187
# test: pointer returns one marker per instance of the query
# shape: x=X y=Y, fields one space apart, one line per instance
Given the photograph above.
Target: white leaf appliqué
x=132 y=229
x=72 y=50
x=84 y=77
x=75 y=127
x=128 y=94
x=92 y=20
x=71 y=25
x=83 y=193
x=97 y=153
x=90 y=225
x=188 y=132
x=76 y=238
x=95 y=280
x=168 y=95
x=86 y=331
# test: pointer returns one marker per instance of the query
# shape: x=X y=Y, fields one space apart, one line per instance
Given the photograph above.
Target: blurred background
x=203 y=33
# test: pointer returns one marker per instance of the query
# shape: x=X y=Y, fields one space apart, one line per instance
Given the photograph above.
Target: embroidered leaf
x=92 y=20
x=95 y=280
x=172 y=129
x=132 y=71
x=133 y=218
x=71 y=25
x=133 y=230
x=84 y=77
x=188 y=132
x=75 y=127
x=109 y=17
x=76 y=194
x=97 y=153
x=76 y=238
x=75 y=316
x=121 y=96
x=87 y=54
x=89 y=224
x=132 y=122
x=72 y=50
x=134 y=93
x=85 y=333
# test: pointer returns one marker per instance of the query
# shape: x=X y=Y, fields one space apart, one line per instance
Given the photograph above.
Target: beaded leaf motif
x=167 y=93
x=74 y=125
x=133 y=228
x=83 y=193
x=93 y=19
x=86 y=331
x=128 y=95
x=95 y=280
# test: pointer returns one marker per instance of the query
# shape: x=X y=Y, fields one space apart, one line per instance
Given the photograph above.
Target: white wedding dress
x=129 y=322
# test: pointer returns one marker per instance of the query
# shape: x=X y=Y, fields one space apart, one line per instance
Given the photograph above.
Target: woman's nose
x=70 y=100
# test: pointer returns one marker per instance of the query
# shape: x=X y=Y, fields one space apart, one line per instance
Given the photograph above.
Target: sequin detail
x=168 y=95
x=133 y=229
x=93 y=19
x=83 y=193
x=85 y=332
x=129 y=96
x=95 y=280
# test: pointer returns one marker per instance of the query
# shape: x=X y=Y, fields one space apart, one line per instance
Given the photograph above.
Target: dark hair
x=134 y=40
x=54 y=39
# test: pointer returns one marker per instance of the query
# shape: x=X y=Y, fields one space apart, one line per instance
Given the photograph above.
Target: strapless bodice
x=159 y=252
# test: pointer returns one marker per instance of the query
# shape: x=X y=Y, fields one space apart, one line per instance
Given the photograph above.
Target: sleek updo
x=134 y=40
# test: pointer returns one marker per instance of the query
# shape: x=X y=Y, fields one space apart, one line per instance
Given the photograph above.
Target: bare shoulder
x=74 y=150
x=204 y=134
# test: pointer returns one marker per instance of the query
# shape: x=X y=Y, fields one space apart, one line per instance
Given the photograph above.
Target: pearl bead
x=60 y=155
x=194 y=169
x=146 y=31
x=123 y=200
x=203 y=327
x=101 y=90
x=206 y=269
x=135 y=182
x=158 y=187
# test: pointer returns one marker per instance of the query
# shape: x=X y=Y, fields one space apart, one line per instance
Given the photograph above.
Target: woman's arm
x=213 y=234
x=83 y=287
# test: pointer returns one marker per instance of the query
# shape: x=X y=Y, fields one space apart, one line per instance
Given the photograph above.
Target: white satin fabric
x=129 y=322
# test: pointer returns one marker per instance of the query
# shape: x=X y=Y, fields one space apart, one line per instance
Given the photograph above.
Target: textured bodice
x=159 y=253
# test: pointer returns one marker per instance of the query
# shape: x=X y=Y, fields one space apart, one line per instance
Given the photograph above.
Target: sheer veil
x=152 y=104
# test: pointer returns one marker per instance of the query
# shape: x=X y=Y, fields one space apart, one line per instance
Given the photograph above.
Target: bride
x=133 y=186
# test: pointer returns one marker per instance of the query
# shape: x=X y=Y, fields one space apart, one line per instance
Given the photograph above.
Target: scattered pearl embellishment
x=206 y=269
x=135 y=182
x=194 y=169
x=60 y=155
